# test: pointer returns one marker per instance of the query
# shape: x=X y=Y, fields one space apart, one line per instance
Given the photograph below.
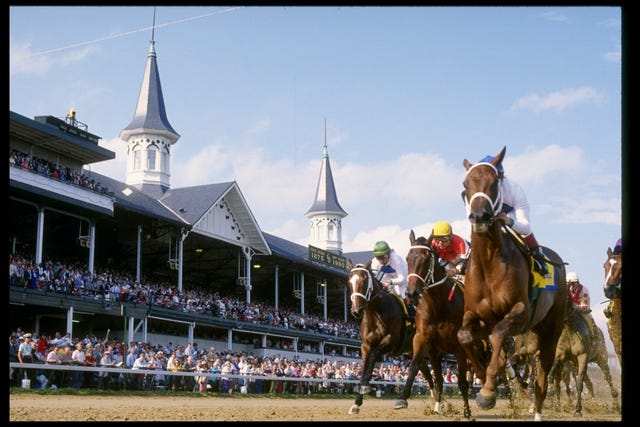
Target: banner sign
x=327 y=258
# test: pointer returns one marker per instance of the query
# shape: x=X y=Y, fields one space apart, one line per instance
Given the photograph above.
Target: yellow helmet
x=441 y=228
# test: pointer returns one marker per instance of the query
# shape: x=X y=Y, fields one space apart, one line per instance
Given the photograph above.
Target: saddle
x=540 y=301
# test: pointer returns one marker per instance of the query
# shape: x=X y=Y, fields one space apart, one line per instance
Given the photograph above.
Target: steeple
x=326 y=213
x=149 y=136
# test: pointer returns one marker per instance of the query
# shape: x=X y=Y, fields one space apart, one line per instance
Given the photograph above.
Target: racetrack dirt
x=34 y=406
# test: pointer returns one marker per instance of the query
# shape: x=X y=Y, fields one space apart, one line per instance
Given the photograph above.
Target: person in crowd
x=452 y=250
x=139 y=364
x=66 y=377
x=26 y=352
x=53 y=358
x=190 y=365
x=13 y=358
x=579 y=295
x=107 y=378
x=79 y=359
x=90 y=377
x=515 y=214
x=392 y=271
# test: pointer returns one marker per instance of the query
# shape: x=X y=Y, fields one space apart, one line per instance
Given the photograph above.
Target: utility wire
x=46 y=52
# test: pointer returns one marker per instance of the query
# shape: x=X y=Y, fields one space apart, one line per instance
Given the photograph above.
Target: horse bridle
x=428 y=280
x=495 y=204
x=369 y=291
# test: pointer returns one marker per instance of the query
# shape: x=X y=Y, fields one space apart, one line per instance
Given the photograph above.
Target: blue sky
x=407 y=93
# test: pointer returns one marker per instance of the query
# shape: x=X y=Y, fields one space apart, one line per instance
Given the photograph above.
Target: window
x=151 y=159
x=137 y=160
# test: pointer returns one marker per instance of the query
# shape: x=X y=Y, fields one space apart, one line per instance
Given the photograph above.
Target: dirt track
x=37 y=407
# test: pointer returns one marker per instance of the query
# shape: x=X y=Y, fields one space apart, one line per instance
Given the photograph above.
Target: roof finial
x=153 y=28
x=325 y=136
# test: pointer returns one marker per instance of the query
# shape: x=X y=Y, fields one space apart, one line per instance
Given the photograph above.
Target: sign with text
x=328 y=258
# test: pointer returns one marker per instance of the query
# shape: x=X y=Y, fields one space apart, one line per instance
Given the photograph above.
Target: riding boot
x=539 y=258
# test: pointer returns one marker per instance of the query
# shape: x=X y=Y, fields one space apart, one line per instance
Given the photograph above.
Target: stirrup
x=540 y=267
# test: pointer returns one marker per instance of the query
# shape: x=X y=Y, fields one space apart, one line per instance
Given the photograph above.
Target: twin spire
x=149 y=137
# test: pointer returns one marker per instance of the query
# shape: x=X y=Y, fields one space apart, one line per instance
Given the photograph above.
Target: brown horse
x=498 y=287
x=383 y=326
x=438 y=318
x=612 y=290
x=582 y=349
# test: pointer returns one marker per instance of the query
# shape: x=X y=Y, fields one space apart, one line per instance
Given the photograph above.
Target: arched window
x=137 y=160
x=151 y=159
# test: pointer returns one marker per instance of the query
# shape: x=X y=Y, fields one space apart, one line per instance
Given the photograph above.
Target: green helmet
x=381 y=249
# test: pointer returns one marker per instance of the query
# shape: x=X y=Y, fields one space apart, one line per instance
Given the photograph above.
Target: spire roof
x=150 y=114
x=326 y=200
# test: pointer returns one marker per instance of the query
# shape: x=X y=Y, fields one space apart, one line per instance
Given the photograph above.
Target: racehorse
x=383 y=325
x=613 y=290
x=438 y=318
x=581 y=348
x=499 y=286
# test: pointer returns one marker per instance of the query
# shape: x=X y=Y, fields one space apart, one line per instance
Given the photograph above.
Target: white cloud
x=614 y=56
x=116 y=168
x=556 y=101
x=554 y=16
x=547 y=161
x=23 y=60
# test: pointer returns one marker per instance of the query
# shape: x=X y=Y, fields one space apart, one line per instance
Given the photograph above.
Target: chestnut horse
x=438 y=318
x=383 y=326
x=612 y=290
x=498 y=287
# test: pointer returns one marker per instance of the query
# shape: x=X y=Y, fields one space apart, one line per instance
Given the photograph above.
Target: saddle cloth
x=546 y=283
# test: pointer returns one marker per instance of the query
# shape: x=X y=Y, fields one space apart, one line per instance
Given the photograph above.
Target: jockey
x=392 y=271
x=581 y=300
x=452 y=249
x=515 y=214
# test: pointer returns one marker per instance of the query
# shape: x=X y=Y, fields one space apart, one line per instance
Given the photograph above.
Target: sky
x=400 y=95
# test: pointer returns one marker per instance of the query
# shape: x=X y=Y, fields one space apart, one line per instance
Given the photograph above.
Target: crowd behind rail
x=91 y=351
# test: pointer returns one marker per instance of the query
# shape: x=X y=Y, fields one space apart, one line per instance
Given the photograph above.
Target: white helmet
x=572 y=276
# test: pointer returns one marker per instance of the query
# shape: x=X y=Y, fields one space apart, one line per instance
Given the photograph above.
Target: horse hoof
x=485 y=402
x=577 y=414
x=355 y=409
x=401 y=404
x=537 y=417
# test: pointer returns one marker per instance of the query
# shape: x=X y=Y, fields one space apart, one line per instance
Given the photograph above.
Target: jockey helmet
x=489 y=159
x=572 y=276
x=381 y=248
x=441 y=228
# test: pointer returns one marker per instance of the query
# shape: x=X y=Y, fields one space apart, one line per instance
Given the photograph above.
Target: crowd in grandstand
x=54 y=171
x=94 y=351
x=110 y=285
